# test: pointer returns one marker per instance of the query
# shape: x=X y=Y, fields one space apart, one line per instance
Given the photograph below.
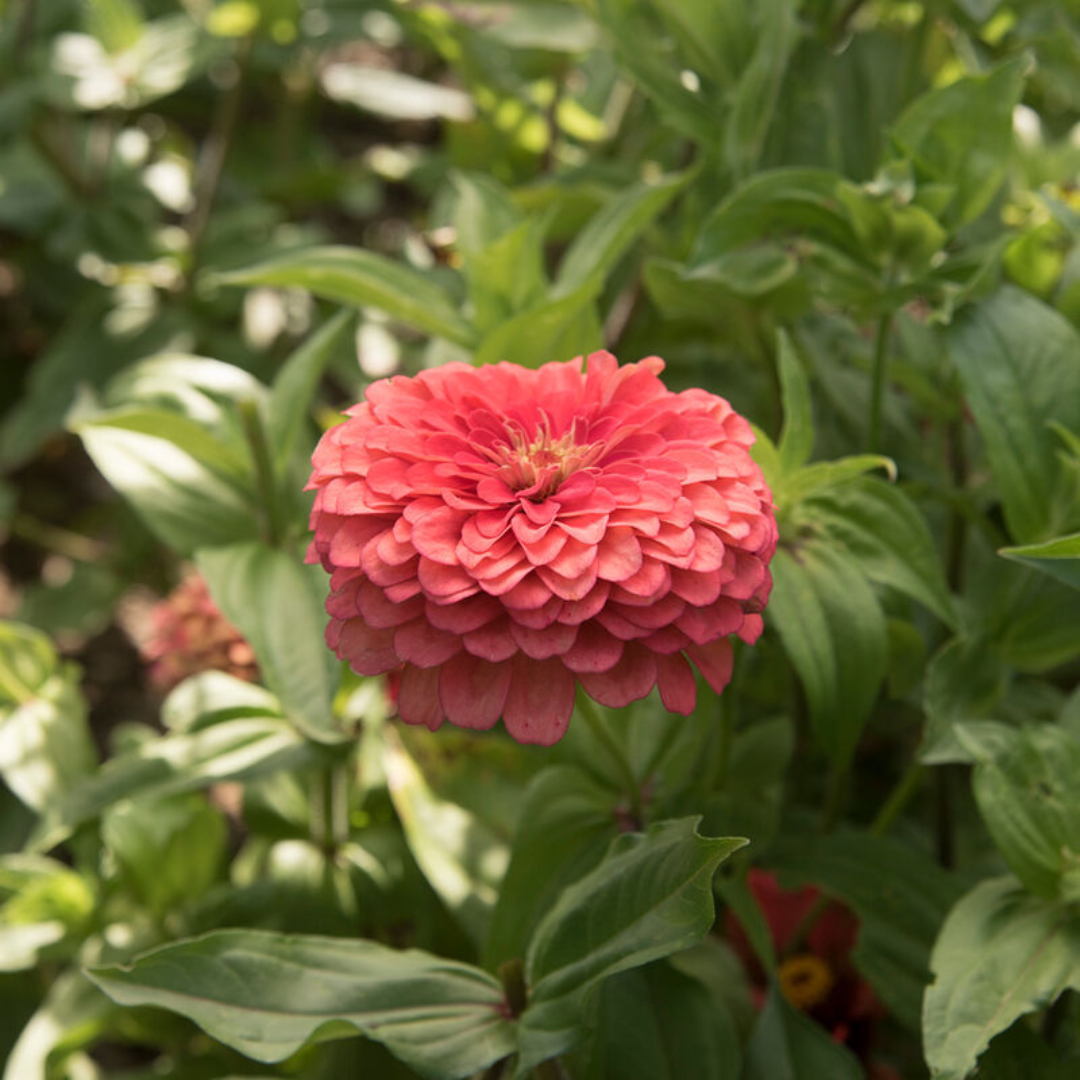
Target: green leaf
x=365 y=279
x=557 y=329
x=1001 y=954
x=170 y=851
x=656 y=1022
x=609 y=233
x=900 y=896
x=230 y=750
x=1027 y=786
x=881 y=528
x=964 y=681
x=834 y=632
x=508 y=277
x=267 y=995
x=653 y=67
x=786 y=1045
x=1017 y=362
x=567 y=822
x=650 y=897
x=45 y=745
x=824 y=475
x=797 y=435
x=179 y=489
x=295 y=385
x=483 y=213
x=754 y=99
x=1060 y=557
x=460 y=857
x=276 y=603
x=961 y=136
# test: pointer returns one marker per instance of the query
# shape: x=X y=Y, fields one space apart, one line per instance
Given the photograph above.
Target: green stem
x=591 y=715
x=319 y=821
x=877 y=385
x=264 y=471
x=898 y=798
x=339 y=803
x=835 y=797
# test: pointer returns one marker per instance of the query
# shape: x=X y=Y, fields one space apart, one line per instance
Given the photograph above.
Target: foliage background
x=858 y=221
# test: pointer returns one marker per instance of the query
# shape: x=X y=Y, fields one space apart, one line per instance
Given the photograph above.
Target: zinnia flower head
x=506 y=533
x=189 y=635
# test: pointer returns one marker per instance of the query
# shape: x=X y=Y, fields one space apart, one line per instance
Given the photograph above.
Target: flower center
x=536 y=466
x=805 y=980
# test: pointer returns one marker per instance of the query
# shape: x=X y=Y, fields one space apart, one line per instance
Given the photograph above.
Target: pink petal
x=418 y=697
x=421 y=644
x=751 y=628
x=629 y=680
x=473 y=691
x=463 y=615
x=493 y=642
x=595 y=650
x=618 y=554
x=438 y=579
x=380 y=612
x=540 y=701
x=714 y=662
x=678 y=688
x=694 y=587
x=706 y=624
x=529 y=594
x=577 y=611
x=367 y=650
x=542 y=644
x=437 y=533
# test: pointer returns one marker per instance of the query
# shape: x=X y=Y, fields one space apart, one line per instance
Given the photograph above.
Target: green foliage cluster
x=855 y=219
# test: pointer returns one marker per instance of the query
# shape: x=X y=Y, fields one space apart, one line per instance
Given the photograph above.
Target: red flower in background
x=815 y=974
x=506 y=533
x=189 y=634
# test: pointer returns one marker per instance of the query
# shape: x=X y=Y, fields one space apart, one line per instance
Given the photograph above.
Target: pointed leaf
x=797 y=435
x=1001 y=954
x=650 y=897
x=268 y=994
x=1060 y=558
x=276 y=603
x=365 y=279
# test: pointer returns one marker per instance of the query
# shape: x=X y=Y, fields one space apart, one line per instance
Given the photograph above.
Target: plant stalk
x=877 y=385
x=591 y=715
x=265 y=484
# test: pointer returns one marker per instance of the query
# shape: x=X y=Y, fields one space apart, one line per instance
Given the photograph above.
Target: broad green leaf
x=268 y=994
x=231 y=750
x=650 y=897
x=610 y=232
x=117 y=24
x=458 y=854
x=754 y=98
x=508 y=277
x=1027 y=786
x=365 y=279
x=787 y=1045
x=1060 y=558
x=1019 y=1053
x=961 y=135
x=170 y=850
x=567 y=822
x=212 y=696
x=655 y=1022
x=788 y=200
x=900 y=897
x=1017 y=362
x=552 y=27
x=834 y=633
x=882 y=530
x=295 y=384
x=183 y=497
x=1001 y=954
x=797 y=435
x=45 y=744
x=276 y=603
x=557 y=329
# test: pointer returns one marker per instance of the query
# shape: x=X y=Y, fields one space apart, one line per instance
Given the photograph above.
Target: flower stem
x=598 y=725
x=898 y=798
x=835 y=798
x=877 y=385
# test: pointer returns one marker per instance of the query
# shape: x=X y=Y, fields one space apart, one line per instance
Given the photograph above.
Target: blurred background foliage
x=858 y=221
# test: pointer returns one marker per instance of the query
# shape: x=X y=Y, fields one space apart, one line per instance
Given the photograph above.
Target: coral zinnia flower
x=504 y=533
